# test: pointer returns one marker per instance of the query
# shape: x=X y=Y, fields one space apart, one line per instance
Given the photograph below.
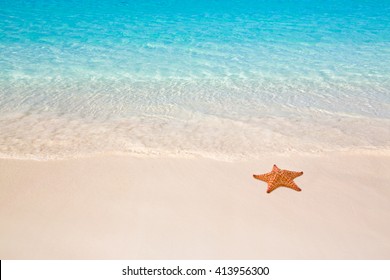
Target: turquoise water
x=222 y=79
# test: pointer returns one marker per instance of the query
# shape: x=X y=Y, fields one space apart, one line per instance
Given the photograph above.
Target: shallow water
x=221 y=79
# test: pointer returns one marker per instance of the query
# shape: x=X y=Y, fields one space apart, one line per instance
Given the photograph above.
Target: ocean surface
x=223 y=79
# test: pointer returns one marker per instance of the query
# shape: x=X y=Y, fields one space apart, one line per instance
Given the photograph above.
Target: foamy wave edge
x=155 y=154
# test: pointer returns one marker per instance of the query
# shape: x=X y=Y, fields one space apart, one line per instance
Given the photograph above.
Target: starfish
x=279 y=177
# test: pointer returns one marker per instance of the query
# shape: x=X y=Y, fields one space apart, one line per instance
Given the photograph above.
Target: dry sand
x=117 y=207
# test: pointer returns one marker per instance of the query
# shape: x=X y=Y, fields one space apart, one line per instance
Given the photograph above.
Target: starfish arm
x=275 y=168
x=293 y=174
x=293 y=186
x=263 y=177
x=271 y=187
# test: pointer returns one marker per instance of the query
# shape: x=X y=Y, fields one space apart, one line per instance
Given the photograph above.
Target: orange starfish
x=279 y=177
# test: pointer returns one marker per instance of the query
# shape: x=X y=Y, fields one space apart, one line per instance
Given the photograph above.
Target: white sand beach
x=120 y=207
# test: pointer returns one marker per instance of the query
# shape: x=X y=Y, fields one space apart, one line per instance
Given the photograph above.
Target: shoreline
x=123 y=207
x=193 y=155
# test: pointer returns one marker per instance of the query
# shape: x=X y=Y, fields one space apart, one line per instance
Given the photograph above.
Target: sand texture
x=119 y=207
